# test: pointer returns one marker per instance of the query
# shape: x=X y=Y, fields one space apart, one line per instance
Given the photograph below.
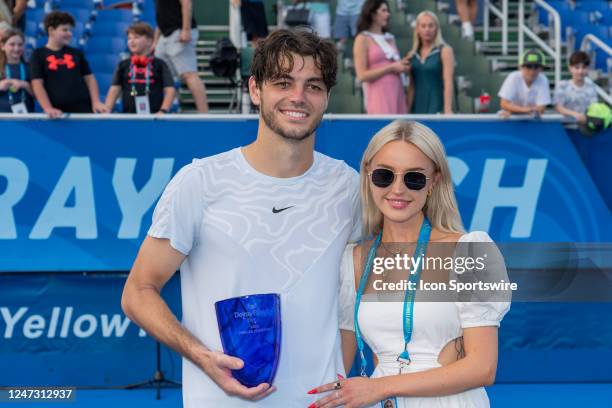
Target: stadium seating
x=106 y=45
x=103 y=63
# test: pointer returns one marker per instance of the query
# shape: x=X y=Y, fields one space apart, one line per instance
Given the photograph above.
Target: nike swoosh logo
x=275 y=211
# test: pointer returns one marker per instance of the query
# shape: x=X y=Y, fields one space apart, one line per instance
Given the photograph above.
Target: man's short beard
x=292 y=136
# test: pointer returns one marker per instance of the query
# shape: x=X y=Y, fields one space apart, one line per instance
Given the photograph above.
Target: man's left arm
x=186 y=13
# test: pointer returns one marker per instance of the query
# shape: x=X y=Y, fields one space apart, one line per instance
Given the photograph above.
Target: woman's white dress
x=435 y=324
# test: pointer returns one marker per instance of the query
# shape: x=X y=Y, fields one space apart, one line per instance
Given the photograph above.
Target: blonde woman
x=407 y=197
x=433 y=68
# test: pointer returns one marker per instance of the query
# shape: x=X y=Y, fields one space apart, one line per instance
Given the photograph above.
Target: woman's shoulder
x=446 y=51
x=474 y=236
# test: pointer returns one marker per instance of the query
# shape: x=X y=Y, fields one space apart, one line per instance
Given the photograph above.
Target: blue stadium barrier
x=77 y=203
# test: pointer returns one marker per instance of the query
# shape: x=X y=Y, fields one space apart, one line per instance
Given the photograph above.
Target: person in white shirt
x=270 y=217
x=526 y=91
x=573 y=97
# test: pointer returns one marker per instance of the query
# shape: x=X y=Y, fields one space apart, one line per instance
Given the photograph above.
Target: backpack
x=225 y=59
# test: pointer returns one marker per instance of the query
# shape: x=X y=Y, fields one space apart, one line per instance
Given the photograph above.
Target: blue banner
x=78 y=195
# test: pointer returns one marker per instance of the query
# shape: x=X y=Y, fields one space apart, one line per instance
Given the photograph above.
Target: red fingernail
x=340 y=377
x=312 y=406
x=313 y=391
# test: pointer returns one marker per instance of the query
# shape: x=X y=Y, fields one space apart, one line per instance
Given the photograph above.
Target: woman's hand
x=5 y=84
x=401 y=66
x=20 y=84
x=354 y=392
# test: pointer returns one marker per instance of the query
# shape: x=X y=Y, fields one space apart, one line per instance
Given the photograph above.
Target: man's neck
x=578 y=82
x=53 y=46
x=275 y=156
x=140 y=54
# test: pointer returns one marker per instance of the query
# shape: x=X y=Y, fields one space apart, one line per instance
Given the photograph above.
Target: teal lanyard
x=421 y=249
x=22 y=76
x=133 y=78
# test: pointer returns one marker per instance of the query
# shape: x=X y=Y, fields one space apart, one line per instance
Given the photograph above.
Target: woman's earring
x=428 y=193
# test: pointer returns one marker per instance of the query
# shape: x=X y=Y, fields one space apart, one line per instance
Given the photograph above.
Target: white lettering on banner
x=523 y=198
x=34 y=326
x=77 y=178
x=114 y=324
x=78 y=326
x=458 y=169
x=82 y=216
x=84 y=326
x=11 y=321
x=17 y=175
x=134 y=204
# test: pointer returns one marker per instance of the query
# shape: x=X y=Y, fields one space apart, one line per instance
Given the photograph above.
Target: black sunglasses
x=383 y=178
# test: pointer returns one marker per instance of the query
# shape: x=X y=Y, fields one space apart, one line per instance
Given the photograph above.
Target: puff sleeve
x=478 y=308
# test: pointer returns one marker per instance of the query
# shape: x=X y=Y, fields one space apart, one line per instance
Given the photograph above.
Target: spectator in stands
x=320 y=18
x=526 y=91
x=18 y=8
x=573 y=97
x=61 y=78
x=253 y=17
x=433 y=68
x=145 y=83
x=377 y=61
x=345 y=23
x=15 y=90
x=5 y=13
x=467 y=10
x=176 y=38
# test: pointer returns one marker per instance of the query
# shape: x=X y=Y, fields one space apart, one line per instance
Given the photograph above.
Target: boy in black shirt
x=61 y=78
x=145 y=83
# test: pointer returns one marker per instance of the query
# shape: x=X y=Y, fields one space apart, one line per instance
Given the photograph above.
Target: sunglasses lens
x=415 y=180
x=382 y=178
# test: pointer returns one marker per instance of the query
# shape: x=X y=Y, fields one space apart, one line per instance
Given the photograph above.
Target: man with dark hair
x=573 y=97
x=61 y=78
x=270 y=217
x=144 y=82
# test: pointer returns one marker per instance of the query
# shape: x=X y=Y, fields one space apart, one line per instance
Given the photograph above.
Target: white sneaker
x=467 y=30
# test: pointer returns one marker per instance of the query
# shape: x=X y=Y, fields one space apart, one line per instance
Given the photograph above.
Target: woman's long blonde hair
x=416 y=39
x=441 y=206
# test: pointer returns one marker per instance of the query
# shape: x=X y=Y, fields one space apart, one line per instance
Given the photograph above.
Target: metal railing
x=502 y=14
x=586 y=46
x=523 y=29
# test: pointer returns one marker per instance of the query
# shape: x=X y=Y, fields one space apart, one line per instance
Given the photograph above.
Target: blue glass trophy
x=250 y=328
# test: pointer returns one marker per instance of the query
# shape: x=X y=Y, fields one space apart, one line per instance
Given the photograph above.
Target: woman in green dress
x=433 y=67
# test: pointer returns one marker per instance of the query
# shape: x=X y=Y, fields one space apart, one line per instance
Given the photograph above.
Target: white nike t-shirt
x=245 y=233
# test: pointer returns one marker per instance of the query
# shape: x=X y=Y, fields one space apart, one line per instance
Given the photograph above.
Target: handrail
x=502 y=15
x=590 y=38
x=523 y=29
